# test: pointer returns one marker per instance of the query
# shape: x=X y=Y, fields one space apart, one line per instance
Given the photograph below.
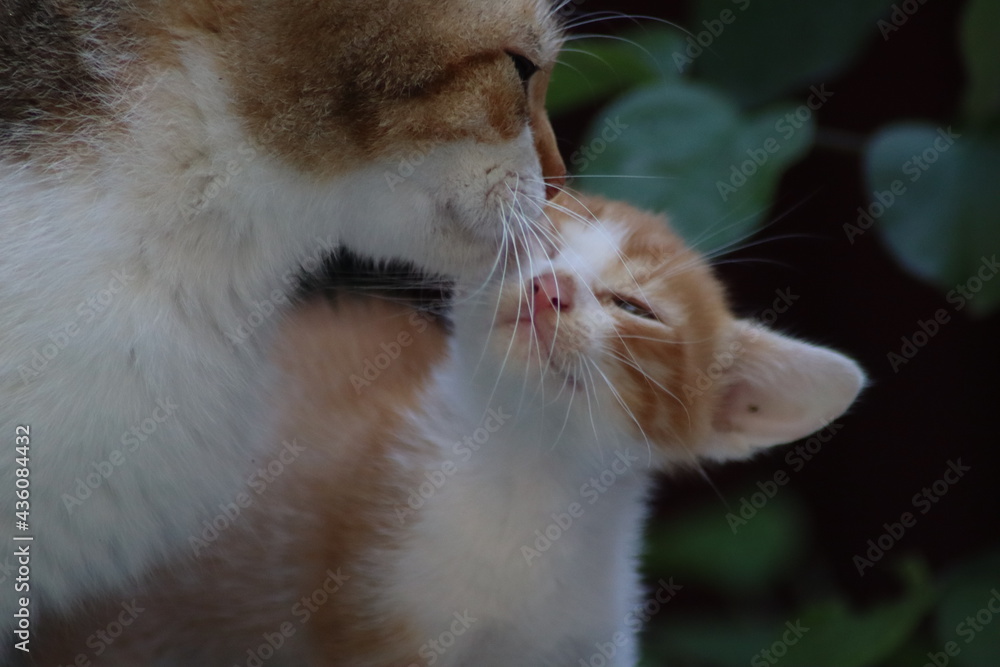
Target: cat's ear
x=777 y=390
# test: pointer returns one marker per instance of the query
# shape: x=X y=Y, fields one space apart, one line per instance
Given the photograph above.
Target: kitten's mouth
x=539 y=348
x=569 y=381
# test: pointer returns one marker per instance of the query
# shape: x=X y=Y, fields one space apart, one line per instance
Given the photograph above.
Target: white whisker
x=628 y=411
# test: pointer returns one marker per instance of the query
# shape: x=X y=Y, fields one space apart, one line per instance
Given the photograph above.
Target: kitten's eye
x=633 y=308
x=524 y=66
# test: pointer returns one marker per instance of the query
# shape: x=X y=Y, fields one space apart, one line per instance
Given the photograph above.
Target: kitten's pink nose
x=552 y=291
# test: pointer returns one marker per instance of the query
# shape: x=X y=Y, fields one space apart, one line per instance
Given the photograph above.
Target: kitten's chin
x=518 y=354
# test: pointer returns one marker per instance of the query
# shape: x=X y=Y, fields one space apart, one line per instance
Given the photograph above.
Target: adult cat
x=166 y=168
x=480 y=501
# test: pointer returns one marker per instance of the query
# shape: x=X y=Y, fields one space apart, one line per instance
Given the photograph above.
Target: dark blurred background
x=899 y=76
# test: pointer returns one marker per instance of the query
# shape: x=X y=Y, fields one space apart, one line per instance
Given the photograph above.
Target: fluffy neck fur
x=536 y=534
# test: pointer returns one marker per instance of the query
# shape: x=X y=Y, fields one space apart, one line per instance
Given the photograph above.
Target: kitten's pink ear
x=779 y=390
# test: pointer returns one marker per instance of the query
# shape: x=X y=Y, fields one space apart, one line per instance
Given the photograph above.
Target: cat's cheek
x=483 y=186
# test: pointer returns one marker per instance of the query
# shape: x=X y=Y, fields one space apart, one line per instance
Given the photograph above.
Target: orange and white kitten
x=167 y=167
x=479 y=499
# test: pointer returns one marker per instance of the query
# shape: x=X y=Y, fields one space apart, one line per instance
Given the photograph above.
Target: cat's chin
x=477 y=243
x=459 y=241
x=481 y=202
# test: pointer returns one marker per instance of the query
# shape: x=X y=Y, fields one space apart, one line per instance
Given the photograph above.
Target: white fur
x=590 y=250
x=158 y=270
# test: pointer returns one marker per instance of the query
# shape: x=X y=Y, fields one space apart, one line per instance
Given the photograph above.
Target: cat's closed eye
x=634 y=308
x=526 y=68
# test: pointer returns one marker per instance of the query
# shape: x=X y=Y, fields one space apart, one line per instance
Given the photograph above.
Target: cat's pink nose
x=553 y=291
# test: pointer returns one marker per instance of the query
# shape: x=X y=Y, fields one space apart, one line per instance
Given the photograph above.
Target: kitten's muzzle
x=552 y=291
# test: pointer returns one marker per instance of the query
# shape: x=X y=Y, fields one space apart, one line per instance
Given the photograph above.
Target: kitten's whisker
x=703 y=473
x=736 y=243
x=666 y=341
x=569 y=409
x=567 y=378
x=754 y=260
x=734 y=246
x=590 y=406
x=640 y=177
x=626 y=408
x=761 y=241
x=719 y=228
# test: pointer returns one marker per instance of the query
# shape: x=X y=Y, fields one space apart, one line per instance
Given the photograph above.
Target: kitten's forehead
x=591 y=251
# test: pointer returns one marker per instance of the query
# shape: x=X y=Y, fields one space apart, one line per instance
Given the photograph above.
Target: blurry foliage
x=682 y=119
x=776 y=47
x=982 y=102
x=945 y=225
x=750 y=561
x=968 y=589
x=701 y=553
x=708 y=122
x=943 y=230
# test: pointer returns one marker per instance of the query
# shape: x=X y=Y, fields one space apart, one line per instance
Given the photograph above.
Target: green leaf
x=701 y=546
x=594 y=70
x=710 y=640
x=970 y=590
x=687 y=150
x=936 y=203
x=772 y=48
x=979 y=27
x=841 y=637
x=824 y=633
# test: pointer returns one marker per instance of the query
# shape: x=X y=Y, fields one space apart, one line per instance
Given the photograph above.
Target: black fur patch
x=398 y=281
